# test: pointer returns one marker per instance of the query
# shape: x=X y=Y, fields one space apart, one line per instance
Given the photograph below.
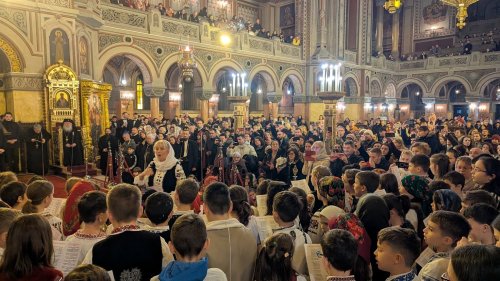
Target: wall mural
x=95 y=112
x=190 y=5
x=83 y=55
x=433 y=17
x=59 y=46
x=287 y=16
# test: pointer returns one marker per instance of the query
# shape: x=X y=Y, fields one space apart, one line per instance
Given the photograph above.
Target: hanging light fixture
x=393 y=5
x=462 y=6
x=186 y=63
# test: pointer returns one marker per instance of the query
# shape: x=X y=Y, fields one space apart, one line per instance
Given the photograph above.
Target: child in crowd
x=397 y=250
x=185 y=194
x=340 y=251
x=480 y=217
x=92 y=213
x=131 y=160
x=189 y=244
x=463 y=165
x=447 y=200
x=444 y=229
x=88 y=272
x=275 y=259
x=6 y=177
x=419 y=166
x=120 y=252
x=7 y=216
x=286 y=207
x=14 y=194
x=233 y=246
x=473 y=263
x=29 y=251
x=456 y=181
x=477 y=196
x=40 y=195
x=496 y=230
x=159 y=206
x=242 y=210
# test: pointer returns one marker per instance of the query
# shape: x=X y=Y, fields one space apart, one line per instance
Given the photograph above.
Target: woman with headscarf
x=446 y=200
x=352 y=223
x=417 y=188
x=319 y=158
x=70 y=217
x=164 y=171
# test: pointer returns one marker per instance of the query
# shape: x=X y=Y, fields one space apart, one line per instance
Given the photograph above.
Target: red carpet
x=58 y=182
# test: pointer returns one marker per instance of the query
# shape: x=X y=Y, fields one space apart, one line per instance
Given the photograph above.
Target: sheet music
x=314 y=256
x=55 y=207
x=265 y=225
x=66 y=255
x=261 y=204
x=302 y=184
x=425 y=256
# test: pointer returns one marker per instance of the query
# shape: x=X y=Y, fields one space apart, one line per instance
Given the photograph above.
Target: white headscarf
x=169 y=163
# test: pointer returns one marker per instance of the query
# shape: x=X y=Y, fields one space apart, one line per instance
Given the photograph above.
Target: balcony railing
x=474 y=59
x=153 y=23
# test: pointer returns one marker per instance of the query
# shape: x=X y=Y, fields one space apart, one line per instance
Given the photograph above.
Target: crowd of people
x=413 y=200
x=234 y=23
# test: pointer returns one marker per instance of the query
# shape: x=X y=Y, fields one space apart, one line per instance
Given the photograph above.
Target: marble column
x=395 y=35
x=204 y=96
x=274 y=99
x=380 y=26
x=155 y=93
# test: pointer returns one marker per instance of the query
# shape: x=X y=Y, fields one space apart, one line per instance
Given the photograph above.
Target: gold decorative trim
x=12 y=54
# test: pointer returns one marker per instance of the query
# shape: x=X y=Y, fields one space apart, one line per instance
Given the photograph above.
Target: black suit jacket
x=121 y=129
x=191 y=160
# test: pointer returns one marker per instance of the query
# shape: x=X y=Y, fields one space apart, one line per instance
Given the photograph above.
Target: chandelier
x=462 y=6
x=186 y=63
x=393 y=5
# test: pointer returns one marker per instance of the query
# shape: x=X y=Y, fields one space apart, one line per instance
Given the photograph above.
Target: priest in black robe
x=37 y=140
x=72 y=144
x=106 y=144
x=2 y=148
x=12 y=136
x=188 y=153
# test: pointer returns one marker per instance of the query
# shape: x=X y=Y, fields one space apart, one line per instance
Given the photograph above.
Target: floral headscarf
x=332 y=188
x=351 y=223
x=447 y=200
x=419 y=188
x=71 y=219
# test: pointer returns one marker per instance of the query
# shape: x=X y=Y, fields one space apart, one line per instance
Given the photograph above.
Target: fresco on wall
x=190 y=5
x=433 y=18
x=287 y=16
x=59 y=46
x=83 y=55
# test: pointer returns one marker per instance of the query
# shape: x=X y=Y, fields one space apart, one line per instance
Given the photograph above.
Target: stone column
x=380 y=26
x=204 y=96
x=330 y=100
x=274 y=99
x=395 y=35
x=155 y=93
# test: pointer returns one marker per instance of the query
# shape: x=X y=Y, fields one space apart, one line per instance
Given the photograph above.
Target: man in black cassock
x=145 y=152
x=123 y=125
x=188 y=153
x=72 y=144
x=107 y=143
x=37 y=140
x=12 y=136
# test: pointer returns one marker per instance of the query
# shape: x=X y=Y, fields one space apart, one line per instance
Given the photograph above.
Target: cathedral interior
x=88 y=60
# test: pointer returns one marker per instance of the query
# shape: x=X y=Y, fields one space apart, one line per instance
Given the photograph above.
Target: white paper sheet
x=314 y=256
x=55 y=207
x=302 y=184
x=261 y=204
x=66 y=256
x=265 y=226
x=425 y=256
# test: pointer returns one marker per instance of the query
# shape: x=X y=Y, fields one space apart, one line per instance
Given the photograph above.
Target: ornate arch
x=268 y=74
x=15 y=60
x=486 y=80
x=439 y=83
x=352 y=79
x=390 y=90
x=173 y=58
x=375 y=88
x=401 y=85
x=140 y=58
x=297 y=79
x=226 y=63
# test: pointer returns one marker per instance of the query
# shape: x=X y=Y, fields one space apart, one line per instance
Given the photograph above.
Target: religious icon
x=59 y=47
x=63 y=101
x=84 y=68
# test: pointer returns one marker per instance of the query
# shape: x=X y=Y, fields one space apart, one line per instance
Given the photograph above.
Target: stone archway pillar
x=154 y=93
x=204 y=96
x=274 y=99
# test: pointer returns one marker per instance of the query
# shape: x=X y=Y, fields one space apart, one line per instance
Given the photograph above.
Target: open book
x=261 y=204
x=314 y=256
x=265 y=225
x=66 y=256
x=302 y=184
x=56 y=206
